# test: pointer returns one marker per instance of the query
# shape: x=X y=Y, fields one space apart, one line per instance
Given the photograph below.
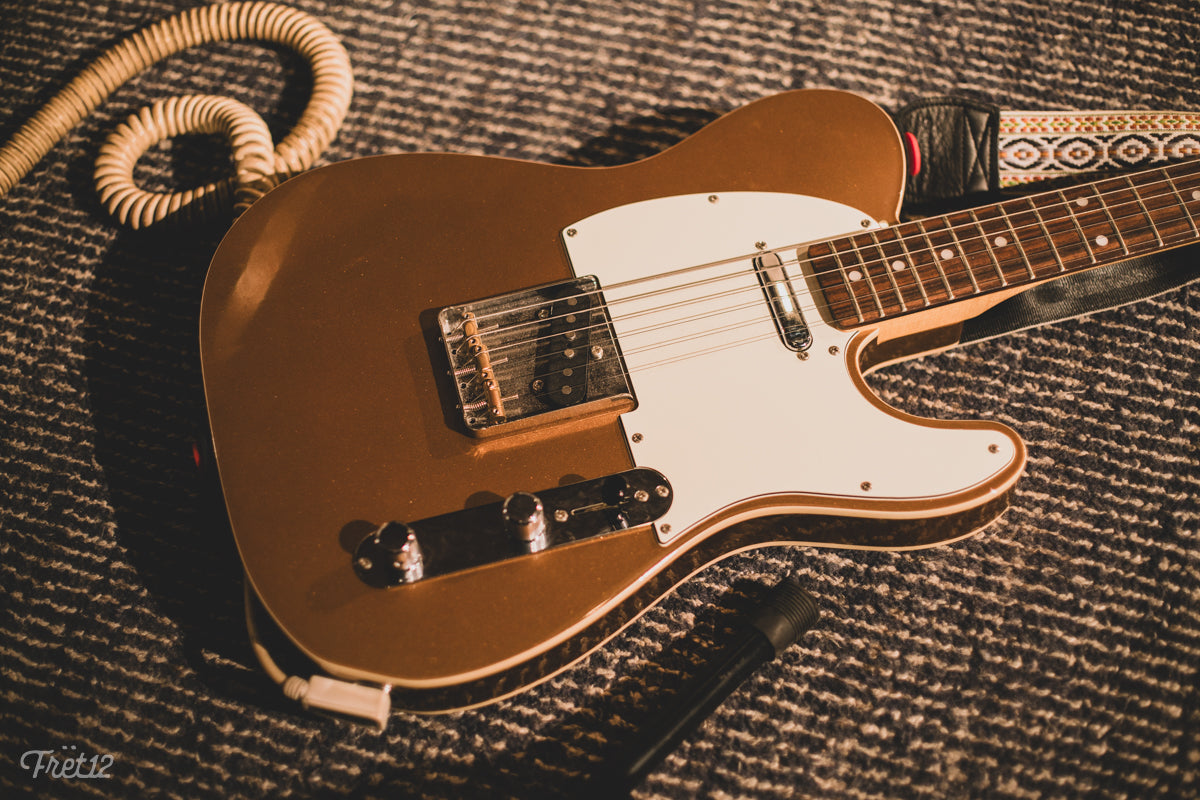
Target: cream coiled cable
x=260 y=164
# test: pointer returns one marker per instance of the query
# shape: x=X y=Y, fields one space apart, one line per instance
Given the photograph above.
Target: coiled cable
x=260 y=164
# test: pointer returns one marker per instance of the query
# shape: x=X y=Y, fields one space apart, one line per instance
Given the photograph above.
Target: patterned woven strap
x=1035 y=145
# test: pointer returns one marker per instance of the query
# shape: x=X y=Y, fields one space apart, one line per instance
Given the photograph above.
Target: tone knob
x=390 y=556
x=525 y=518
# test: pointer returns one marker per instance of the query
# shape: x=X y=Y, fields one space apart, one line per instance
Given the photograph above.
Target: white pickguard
x=725 y=410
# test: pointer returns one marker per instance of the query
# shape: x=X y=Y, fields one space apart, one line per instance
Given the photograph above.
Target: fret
x=962 y=254
x=933 y=255
x=908 y=256
x=1017 y=242
x=1182 y=205
x=837 y=259
x=1082 y=236
x=908 y=282
x=1111 y=221
x=1081 y=227
x=1046 y=233
x=1138 y=197
x=866 y=273
x=883 y=259
x=988 y=246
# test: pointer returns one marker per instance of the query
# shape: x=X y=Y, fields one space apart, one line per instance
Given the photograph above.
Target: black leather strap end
x=958 y=143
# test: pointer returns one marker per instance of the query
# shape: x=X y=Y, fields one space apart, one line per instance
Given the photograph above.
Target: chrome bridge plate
x=534 y=356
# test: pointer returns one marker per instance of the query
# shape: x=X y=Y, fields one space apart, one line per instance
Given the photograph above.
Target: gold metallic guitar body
x=472 y=415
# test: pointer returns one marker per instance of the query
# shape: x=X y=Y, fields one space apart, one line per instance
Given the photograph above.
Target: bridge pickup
x=534 y=357
x=785 y=307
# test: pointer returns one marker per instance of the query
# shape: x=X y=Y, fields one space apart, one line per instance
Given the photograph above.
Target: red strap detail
x=913 y=151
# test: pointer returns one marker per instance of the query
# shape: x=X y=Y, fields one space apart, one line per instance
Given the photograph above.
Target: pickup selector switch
x=525 y=518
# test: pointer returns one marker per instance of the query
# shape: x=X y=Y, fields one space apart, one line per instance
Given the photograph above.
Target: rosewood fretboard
x=879 y=274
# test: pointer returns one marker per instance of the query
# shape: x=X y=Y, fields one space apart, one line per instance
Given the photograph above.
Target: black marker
x=787 y=612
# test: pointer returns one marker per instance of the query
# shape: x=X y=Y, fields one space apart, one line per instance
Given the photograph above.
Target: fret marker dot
x=1196 y=195
x=855 y=275
x=947 y=254
x=1081 y=202
x=1001 y=241
x=1101 y=240
x=898 y=265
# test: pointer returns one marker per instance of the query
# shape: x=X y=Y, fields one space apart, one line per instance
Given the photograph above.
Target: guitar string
x=1172 y=193
x=752 y=287
x=1170 y=241
x=756 y=287
x=764 y=314
x=878 y=243
x=772 y=334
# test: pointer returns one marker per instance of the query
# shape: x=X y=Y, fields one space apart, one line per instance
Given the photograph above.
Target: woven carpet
x=1053 y=655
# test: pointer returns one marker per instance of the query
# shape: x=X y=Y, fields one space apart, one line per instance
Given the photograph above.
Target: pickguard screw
x=538 y=385
x=637 y=437
x=834 y=350
x=561 y=516
x=571 y=231
x=802 y=355
x=866 y=223
x=760 y=245
x=993 y=448
x=866 y=486
x=661 y=490
x=666 y=528
x=712 y=198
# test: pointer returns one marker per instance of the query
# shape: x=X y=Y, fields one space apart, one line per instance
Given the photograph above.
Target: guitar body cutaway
x=332 y=410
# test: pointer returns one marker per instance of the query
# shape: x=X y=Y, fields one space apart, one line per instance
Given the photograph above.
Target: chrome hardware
x=523 y=524
x=520 y=359
x=390 y=556
x=525 y=518
x=785 y=306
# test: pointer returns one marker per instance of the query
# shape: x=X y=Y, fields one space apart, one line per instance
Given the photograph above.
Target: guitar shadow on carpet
x=146 y=401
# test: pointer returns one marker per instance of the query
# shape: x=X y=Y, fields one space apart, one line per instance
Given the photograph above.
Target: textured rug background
x=1055 y=655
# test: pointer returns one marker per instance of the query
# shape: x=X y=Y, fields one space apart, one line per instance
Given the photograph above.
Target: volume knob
x=525 y=518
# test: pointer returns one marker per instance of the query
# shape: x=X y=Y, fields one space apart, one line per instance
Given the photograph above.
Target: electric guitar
x=473 y=415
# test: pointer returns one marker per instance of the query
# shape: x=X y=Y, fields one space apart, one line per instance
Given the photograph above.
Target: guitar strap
x=964 y=153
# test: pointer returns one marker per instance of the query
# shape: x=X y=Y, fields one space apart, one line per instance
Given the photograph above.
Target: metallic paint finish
x=331 y=412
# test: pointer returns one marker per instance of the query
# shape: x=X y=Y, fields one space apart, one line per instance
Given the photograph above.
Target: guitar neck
x=879 y=274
